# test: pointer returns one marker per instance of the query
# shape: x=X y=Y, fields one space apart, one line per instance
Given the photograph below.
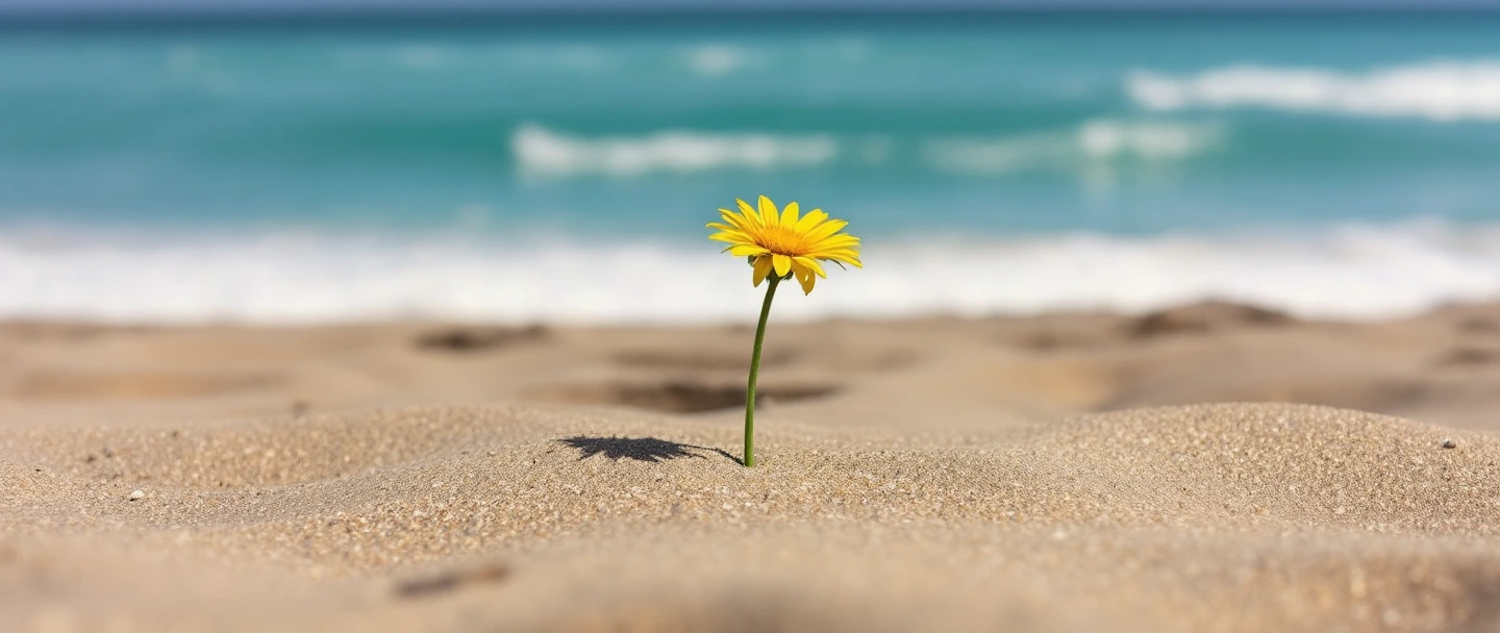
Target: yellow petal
x=749 y=212
x=837 y=241
x=840 y=257
x=789 y=215
x=747 y=250
x=825 y=230
x=768 y=212
x=810 y=264
x=762 y=268
x=848 y=257
x=732 y=237
x=806 y=278
x=841 y=237
x=733 y=219
x=811 y=220
x=724 y=227
x=824 y=253
x=782 y=263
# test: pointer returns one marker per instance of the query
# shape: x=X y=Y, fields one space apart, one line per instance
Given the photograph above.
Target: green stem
x=760 y=338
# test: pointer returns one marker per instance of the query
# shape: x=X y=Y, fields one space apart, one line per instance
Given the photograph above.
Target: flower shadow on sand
x=643 y=449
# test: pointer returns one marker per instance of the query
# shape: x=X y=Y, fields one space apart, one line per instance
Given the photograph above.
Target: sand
x=1213 y=467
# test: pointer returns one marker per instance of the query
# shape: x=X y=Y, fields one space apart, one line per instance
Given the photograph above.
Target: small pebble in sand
x=137 y=494
x=1449 y=443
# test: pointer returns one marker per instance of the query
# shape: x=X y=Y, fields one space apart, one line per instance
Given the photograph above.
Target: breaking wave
x=543 y=153
x=1100 y=140
x=1353 y=272
x=1438 y=91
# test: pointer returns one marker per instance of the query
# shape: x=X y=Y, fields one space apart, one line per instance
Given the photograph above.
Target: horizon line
x=384 y=14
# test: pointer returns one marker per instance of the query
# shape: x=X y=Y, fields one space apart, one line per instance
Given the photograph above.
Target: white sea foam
x=543 y=153
x=1093 y=142
x=1354 y=272
x=1439 y=91
x=717 y=59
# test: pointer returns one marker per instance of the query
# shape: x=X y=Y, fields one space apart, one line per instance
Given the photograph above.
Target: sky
x=131 y=6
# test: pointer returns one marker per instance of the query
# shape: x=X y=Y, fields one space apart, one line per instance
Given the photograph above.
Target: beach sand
x=1211 y=467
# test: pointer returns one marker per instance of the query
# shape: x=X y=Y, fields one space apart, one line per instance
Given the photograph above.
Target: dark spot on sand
x=1478 y=324
x=1469 y=356
x=1049 y=340
x=684 y=396
x=475 y=339
x=737 y=361
x=1038 y=341
x=452 y=580
x=1201 y=317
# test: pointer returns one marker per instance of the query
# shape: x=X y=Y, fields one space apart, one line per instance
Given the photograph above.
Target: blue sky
x=243 y=5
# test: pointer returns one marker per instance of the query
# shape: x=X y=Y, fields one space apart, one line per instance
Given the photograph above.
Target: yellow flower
x=780 y=241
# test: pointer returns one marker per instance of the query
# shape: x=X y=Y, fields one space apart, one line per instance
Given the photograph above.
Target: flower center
x=782 y=241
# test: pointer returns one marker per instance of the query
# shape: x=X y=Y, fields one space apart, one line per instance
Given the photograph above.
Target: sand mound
x=538 y=518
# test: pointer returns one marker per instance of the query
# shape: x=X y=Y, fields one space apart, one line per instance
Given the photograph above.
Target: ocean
x=561 y=169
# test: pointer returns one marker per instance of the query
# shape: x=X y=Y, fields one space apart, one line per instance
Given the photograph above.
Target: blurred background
x=184 y=161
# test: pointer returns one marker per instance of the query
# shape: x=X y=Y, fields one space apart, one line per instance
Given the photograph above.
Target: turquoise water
x=1330 y=165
